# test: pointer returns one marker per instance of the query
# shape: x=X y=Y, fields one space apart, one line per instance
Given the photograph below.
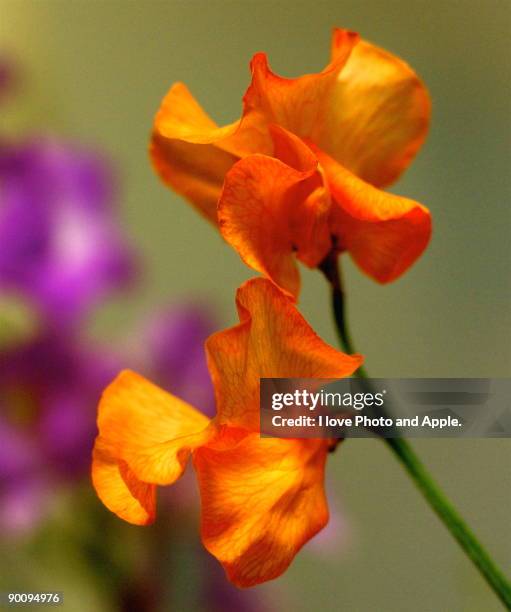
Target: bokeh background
x=96 y=71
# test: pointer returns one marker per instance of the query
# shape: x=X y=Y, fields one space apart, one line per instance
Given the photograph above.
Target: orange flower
x=262 y=498
x=303 y=168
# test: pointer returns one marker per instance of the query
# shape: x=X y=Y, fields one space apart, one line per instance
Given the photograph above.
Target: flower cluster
x=299 y=176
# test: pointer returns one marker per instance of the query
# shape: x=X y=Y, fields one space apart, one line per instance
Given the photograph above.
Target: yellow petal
x=120 y=491
x=195 y=171
x=148 y=428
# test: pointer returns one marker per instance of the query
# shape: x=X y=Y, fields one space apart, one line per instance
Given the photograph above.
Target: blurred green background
x=96 y=71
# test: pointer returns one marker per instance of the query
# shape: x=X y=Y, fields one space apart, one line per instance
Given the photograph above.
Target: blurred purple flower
x=59 y=241
x=49 y=390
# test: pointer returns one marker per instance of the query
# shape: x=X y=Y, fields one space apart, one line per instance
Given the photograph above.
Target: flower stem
x=330 y=268
x=416 y=470
x=452 y=519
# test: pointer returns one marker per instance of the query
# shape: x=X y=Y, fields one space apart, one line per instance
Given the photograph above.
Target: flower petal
x=181 y=117
x=192 y=154
x=261 y=502
x=376 y=117
x=296 y=104
x=272 y=340
x=383 y=232
x=61 y=246
x=195 y=171
x=148 y=429
x=120 y=491
x=309 y=213
x=253 y=213
x=271 y=209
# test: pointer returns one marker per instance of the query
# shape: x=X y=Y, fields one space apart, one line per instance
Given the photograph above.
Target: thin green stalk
x=330 y=269
x=416 y=470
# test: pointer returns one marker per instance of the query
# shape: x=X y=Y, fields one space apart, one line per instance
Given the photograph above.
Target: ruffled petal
x=310 y=209
x=261 y=502
x=271 y=210
x=181 y=117
x=195 y=171
x=384 y=233
x=145 y=438
x=254 y=216
x=192 y=154
x=376 y=116
x=272 y=340
x=118 y=488
x=367 y=109
x=296 y=104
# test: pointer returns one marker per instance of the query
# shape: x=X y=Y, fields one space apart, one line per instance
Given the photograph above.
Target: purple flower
x=59 y=242
x=49 y=390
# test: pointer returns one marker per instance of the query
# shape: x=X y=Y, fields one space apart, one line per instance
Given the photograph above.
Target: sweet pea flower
x=60 y=245
x=302 y=172
x=261 y=498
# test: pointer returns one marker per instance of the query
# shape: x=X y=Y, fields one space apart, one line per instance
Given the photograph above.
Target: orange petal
x=120 y=491
x=194 y=171
x=261 y=502
x=376 y=116
x=192 y=154
x=383 y=232
x=269 y=210
x=309 y=211
x=148 y=434
x=296 y=104
x=180 y=117
x=254 y=216
x=272 y=340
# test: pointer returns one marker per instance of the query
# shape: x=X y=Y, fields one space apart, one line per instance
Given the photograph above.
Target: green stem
x=330 y=268
x=452 y=519
x=416 y=470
